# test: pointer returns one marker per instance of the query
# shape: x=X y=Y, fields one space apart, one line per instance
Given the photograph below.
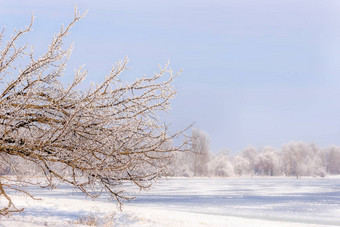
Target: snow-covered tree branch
x=93 y=139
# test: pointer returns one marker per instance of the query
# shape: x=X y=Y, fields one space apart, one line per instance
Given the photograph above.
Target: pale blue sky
x=255 y=72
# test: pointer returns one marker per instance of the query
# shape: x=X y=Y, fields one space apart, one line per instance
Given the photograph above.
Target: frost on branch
x=93 y=139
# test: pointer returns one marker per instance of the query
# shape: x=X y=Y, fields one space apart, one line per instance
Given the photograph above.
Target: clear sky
x=255 y=72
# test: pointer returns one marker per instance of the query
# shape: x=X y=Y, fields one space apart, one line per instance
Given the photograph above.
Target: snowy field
x=192 y=202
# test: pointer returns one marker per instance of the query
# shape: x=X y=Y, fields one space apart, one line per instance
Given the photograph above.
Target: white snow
x=192 y=202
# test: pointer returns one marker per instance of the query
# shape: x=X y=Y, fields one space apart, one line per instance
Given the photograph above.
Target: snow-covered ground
x=192 y=202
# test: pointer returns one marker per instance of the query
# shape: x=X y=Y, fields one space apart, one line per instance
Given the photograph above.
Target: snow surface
x=192 y=202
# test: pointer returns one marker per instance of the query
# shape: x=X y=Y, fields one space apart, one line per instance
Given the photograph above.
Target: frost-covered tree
x=200 y=151
x=220 y=165
x=250 y=154
x=93 y=139
x=182 y=165
x=301 y=159
x=241 y=165
x=331 y=159
x=267 y=162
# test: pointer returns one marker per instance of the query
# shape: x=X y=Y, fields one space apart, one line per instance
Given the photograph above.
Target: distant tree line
x=292 y=159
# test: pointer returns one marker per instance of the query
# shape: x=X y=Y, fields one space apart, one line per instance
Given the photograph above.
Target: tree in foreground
x=93 y=139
